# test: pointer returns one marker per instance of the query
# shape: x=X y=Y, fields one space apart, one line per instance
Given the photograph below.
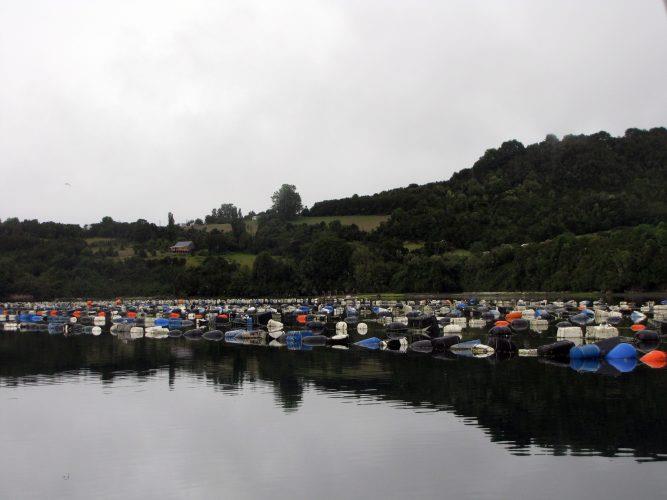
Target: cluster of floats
x=590 y=336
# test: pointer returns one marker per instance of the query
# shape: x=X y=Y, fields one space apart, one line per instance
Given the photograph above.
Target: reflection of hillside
x=519 y=402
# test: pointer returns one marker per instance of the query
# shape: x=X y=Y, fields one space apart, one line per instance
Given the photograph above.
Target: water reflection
x=527 y=406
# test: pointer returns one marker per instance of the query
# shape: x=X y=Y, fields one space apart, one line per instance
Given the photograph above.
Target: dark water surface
x=98 y=418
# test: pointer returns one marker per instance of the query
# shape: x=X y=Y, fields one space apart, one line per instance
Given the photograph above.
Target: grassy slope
x=124 y=249
x=250 y=225
x=243 y=259
x=363 y=222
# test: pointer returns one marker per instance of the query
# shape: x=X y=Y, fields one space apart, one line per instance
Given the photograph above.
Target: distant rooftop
x=182 y=244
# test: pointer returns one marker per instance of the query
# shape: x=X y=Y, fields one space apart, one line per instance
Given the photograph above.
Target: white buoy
x=276 y=334
x=362 y=328
x=452 y=328
x=96 y=330
x=136 y=332
x=275 y=328
x=156 y=332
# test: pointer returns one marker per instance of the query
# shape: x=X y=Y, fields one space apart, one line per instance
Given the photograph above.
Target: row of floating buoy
x=433 y=327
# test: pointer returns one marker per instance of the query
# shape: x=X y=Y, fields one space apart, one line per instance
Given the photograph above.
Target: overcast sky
x=150 y=106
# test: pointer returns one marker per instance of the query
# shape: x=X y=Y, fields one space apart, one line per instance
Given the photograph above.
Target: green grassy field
x=243 y=259
x=250 y=226
x=97 y=244
x=413 y=245
x=194 y=260
x=225 y=228
x=461 y=252
x=363 y=222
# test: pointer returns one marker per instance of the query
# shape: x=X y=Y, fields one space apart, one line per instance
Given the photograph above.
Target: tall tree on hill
x=286 y=202
x=227 y=213
x=171 y=225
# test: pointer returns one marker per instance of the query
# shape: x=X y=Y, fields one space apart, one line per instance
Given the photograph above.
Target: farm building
x=182 y=247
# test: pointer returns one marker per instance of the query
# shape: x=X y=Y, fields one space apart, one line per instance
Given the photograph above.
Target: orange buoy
x=302 y=318
x=101 y=314
x=502 y=323
x=174 y=315
x=637 y=328
x=131 y=314
x=655 y=359
x=513 y=315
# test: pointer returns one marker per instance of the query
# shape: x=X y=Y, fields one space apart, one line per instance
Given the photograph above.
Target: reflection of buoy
x=340 y=336
x=213 y=335
x=441 y=344
x=315 y=340
x=655 y=359
x=482 y=350
x=276 y=334
x=558 y=349
x=647 y=335
x=362 y=328
x=370 y=343
x=422 y=346
x=136 y=332
x=156 y=332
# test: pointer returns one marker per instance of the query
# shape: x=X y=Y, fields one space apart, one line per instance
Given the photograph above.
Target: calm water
x=98 y=418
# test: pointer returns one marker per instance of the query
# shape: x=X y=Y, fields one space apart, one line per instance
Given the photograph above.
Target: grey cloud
x=154 y=106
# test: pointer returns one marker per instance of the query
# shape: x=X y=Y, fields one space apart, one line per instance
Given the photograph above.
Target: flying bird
x=68 y=184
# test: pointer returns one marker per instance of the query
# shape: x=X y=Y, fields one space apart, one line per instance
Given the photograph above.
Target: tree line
x=582 y=213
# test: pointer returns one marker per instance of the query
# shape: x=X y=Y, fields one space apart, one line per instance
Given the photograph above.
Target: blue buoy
x=622 y=351
x=585 y=352
x=370 y=343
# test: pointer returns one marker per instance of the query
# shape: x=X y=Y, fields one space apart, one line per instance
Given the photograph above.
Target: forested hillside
x=516 y=193
x=585 y=213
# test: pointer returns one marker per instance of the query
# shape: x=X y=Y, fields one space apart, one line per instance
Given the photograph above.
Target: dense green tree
x=286 y=202
x=227 y=213
x=326 y=263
